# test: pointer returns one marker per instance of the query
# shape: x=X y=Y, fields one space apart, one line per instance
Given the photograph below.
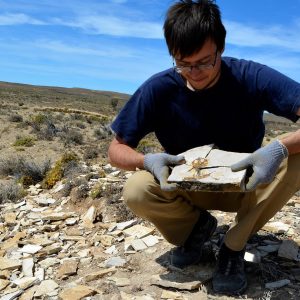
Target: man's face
x=201 y=69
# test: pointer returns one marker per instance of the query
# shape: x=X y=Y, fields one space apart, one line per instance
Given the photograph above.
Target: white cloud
x=114 y=26
x=18 y=19
x=278 y=36
x=101 y=51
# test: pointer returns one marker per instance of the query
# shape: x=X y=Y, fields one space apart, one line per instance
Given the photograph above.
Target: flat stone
x=289 y=249
x=13 y=295
x=44 y=242
x=28 y=294
x=40 y=274
x=49 y=250
x=269 y=248
x=89 y=217
x=174 y=296
x=26 y=282
x=71 y=221
x=49 y=262
x=56 y=216
x=3 y=284
x=188 y=285
x=46 y=287
x=277 y=284
x=76 y=293
x=68 y=268
x=30 y=249
x=44 y=201
x=138 y=245
x=10 y=218
x=150 y=240
x=253 y=256
x=208 y=169
x=138 y=231
x=99 y=274
x=276 y=227
x=120 y=281
x=83 y=253
x=111 y=250
x=9 y=264
x=4 y=274
x=116 y=261
x=12 y=242
x=106 y=240
x=127 y=224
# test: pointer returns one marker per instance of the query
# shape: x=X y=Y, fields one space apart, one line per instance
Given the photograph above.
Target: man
x=208 y=99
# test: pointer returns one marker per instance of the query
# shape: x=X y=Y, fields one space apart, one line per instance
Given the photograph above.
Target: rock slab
x=208 y=169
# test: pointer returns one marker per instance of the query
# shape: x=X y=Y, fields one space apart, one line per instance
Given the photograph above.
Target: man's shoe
x=190 y=252
x=230 y=277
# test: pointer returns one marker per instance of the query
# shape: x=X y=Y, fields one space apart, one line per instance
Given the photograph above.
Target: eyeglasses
x=198 y=67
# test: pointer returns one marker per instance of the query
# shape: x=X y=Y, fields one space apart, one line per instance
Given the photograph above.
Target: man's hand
x=264 y=163
x=158 y=164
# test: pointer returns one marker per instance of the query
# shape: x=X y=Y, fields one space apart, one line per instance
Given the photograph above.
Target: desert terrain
x=65 y=232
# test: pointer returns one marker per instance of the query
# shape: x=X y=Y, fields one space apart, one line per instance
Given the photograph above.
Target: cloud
x=18 y=19
x=114 y=26
x=278 y=36
x=102 y=51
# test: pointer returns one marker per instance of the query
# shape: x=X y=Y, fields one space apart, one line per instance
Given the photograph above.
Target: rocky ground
x=67 y=247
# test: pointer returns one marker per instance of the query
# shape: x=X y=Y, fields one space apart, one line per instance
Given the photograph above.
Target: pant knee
x=136 y=192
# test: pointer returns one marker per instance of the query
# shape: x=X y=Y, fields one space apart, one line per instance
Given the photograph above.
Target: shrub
x=24 y=141
x=114 y=103
x=28 y=172
x=72 y=136
x=96 y=191
x=101 y=133
x=146 y=146
x=38 y=119
x=11 y=192
x=90 y=153
x=57 y=172
x=47 y=132
x=15 y=118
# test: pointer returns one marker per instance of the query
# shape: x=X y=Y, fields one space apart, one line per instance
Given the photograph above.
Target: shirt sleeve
x=136 y=119
x=280 y=94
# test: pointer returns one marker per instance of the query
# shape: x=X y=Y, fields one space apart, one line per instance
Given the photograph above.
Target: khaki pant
x=175 y=213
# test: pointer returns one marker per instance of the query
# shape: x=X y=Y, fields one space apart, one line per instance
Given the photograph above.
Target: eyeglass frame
x=198 y=67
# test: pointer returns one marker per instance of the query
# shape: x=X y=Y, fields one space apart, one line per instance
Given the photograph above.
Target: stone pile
x=50 y=251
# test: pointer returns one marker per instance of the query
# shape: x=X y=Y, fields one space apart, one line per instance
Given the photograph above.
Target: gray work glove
x=264 y=163
x=158 y=164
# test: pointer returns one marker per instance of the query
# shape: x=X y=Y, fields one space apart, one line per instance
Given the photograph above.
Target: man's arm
x=123 y=156
x=292 y=142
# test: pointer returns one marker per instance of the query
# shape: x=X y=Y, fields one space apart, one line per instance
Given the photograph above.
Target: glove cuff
x=148 y=162
x=285 y=151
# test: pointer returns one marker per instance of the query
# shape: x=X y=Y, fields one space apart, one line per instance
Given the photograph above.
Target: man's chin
x=198 y=85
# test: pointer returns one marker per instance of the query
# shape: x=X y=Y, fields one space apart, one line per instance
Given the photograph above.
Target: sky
x=115 y=45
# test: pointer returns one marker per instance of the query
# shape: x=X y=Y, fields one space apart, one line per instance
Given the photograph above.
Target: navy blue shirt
x=229 y=114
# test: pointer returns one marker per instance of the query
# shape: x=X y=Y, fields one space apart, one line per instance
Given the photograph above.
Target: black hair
x=189 y=24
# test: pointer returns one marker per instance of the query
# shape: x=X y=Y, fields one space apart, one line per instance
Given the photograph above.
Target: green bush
x=57 y=172
x=24 y=141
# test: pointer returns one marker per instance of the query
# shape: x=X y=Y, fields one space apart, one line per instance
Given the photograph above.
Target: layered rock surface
x=54 y=247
